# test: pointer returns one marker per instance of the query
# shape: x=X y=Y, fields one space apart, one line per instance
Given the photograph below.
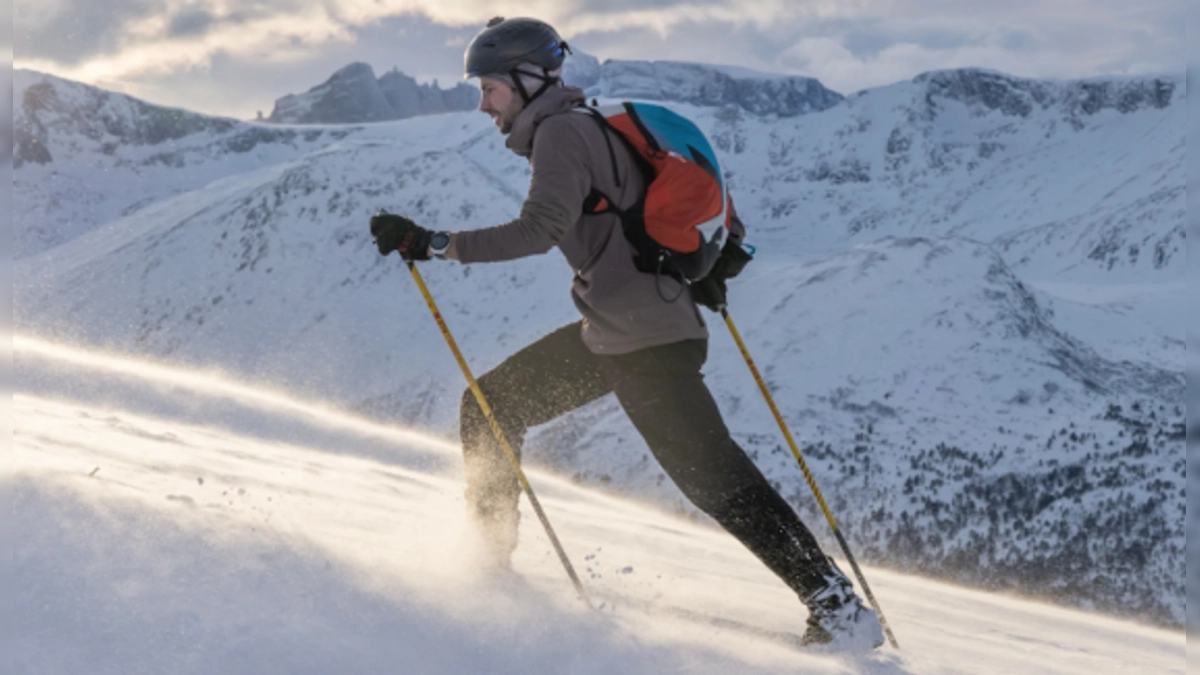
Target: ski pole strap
x=509 y=454
x=812 y=482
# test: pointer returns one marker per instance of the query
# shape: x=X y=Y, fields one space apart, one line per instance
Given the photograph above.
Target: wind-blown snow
x=260 y=534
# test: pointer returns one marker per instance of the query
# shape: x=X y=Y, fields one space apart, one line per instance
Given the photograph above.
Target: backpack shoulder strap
x=605 y=129
x=643 y=165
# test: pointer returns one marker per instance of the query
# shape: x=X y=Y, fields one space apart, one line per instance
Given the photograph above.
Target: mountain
x=965 y=298
x=353 y=95
x=699 y=85
x=84 y=157
x=1043 y=170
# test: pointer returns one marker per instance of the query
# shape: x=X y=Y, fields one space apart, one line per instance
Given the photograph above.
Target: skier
x=633 y=341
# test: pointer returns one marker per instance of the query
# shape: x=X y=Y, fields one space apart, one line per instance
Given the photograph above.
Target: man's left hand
x=709 y=292
x=397 y=233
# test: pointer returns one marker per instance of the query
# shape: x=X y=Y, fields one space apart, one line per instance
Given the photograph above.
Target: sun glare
x=218 y=385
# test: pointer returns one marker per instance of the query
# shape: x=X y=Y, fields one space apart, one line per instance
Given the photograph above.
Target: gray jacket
x=623 y=309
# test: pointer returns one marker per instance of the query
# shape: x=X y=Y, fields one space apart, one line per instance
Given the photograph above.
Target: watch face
x=439 y=241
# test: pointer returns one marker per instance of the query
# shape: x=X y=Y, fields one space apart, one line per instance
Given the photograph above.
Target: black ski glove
x=397 y=233
x=710 y=291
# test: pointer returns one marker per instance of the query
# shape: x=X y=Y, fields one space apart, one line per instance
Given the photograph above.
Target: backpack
x=679 y=225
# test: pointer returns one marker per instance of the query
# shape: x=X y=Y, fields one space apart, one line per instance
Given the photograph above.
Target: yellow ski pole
x=812 y=483
x=508 y=451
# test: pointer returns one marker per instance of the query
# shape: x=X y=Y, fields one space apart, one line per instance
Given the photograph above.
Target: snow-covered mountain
x=353 y=94
x=699 y=85
x=966 y=298
x=84 y=157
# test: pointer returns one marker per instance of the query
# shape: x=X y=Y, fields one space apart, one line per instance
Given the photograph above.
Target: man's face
x=501 y=102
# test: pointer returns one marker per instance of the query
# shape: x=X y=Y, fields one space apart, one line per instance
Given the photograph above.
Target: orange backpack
x=680 y=224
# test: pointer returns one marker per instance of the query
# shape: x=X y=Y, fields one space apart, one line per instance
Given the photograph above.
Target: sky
x=236 y=57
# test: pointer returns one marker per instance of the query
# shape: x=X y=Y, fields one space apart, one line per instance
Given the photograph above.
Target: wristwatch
x=438 y=243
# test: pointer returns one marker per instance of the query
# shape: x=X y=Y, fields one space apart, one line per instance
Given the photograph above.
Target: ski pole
x=812 y=483
x=491 y=418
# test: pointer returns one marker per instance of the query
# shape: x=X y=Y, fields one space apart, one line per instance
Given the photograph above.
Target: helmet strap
x=547 y=82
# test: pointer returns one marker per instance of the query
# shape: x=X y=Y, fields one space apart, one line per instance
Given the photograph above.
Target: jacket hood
x=553 y=101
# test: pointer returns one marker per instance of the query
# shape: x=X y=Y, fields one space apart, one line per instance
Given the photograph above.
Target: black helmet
x=507 y=43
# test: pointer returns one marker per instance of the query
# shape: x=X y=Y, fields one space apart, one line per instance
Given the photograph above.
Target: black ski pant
x=663 y=392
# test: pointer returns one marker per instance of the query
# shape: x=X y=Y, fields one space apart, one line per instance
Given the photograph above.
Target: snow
x=963 y=313
x=263 y=534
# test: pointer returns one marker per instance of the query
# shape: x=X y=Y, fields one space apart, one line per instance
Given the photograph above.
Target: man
x=640 y=338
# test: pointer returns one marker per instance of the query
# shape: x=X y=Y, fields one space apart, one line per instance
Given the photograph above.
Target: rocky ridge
x=354 y=95
x=700 y=85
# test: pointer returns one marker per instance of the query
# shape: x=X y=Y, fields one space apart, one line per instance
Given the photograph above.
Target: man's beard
x=510 y=115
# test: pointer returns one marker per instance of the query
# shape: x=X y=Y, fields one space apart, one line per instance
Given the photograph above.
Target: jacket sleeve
x=561 y=181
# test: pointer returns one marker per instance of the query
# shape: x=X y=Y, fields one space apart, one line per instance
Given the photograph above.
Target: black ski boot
x=838 y=620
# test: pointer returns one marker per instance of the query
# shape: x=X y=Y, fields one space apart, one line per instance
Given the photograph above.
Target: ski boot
x=838 y=620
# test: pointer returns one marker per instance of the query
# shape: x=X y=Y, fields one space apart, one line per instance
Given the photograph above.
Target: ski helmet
x=508 y=43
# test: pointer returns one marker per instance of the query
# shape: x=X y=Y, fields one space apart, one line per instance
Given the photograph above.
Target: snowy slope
x=263 y=534
x=987 y=380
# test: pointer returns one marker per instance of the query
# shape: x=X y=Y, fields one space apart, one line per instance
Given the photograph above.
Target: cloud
x=117 y=38
x=882 y=43
x=848 y=72
x=69 y=32
x=1021 y=40
x=191 y=22
x=180 y=47
x=131 y=38
x=242 y=83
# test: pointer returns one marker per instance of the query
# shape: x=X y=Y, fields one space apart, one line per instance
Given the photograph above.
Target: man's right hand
x=397 y=233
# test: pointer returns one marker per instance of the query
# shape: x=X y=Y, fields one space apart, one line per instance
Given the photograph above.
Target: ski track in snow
x=171 y=521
